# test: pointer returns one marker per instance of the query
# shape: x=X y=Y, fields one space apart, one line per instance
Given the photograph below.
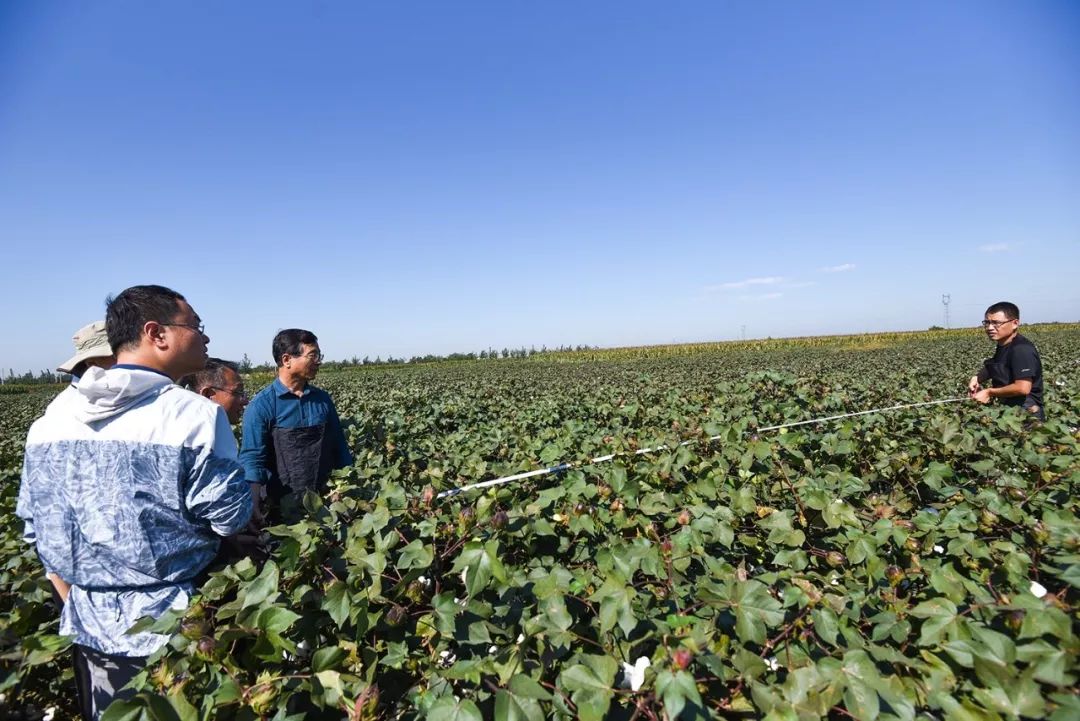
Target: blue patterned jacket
x=128 y=483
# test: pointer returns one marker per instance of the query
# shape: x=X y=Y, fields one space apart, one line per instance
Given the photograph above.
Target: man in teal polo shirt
x=292 y=434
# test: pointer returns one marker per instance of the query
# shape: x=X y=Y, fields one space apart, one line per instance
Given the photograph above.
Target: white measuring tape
x=638 y=452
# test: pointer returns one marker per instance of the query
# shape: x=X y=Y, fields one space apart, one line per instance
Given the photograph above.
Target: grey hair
x=213 y=375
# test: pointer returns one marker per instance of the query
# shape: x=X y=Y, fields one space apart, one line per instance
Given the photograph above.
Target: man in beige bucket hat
x=91 y=349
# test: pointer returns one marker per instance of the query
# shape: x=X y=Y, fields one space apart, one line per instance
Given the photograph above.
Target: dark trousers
x=99 y=678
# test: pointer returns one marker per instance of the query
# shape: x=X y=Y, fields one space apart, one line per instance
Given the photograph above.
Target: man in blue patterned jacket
x=128 y=486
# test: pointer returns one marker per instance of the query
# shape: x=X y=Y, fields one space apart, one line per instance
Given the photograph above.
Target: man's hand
x=982 y=396
x=973 y=385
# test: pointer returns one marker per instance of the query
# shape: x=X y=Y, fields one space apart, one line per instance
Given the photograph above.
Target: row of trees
x=30 y=378
x=247 y=366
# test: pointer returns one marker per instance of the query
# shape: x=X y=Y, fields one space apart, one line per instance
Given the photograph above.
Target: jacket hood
x=105 y=394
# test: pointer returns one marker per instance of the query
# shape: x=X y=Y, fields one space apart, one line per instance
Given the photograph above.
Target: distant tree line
x=42 y=377
x=247 y=366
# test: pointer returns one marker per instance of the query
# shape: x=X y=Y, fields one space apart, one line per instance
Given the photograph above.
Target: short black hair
x=289 y=341
x=127 y=313
x=212 y=376
x=1009 y=309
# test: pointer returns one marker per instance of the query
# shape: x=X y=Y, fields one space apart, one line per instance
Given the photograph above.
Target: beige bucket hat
x=91 y=341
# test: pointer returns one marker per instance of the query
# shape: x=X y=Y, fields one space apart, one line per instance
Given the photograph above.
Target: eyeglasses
x=997 y=323
x=239 y=392
x=200 y=328
x=317 y=357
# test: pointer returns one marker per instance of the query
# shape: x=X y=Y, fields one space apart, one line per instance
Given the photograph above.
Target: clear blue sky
x=405 y=178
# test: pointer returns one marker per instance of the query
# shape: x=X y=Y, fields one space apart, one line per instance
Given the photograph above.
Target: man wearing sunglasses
x=292 y=434
x=1015 y=371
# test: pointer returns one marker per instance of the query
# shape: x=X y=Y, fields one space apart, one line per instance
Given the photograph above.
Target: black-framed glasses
x=200 y=328
x=239 y=393
x=317 y=357
x=996 y=323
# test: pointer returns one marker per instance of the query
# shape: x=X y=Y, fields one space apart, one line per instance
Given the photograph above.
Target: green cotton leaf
x=945 y=580
x=1015 y=697
x=992 y=647
x=446 y=611
x=590 y=686
x=839 y=513
x=676 y=691
x=397 y=652
x=480 y=562
x=327 y=688
x=755 y=609
x=939 y=615
x=448 y=708
x=860 y=695
x=825 y=624
x=1071 y=575
x=144 y=706
x=44 y=648
x=263 y=587
x=964 y=711
x=509 y=707
x=374 y=521
x=615 y=597
x=336 y=602
x=275 y=620
x=184 y=710
x=326 y=658
x=415 y=555
x=228 y=692
x=528 y=687
x=1048 y=664
x=1068 y=707
x=554 y=611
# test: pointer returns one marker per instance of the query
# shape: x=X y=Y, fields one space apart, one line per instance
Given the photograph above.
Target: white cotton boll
x=446 y=659
x=492 y=650
x=634 y=675
x=424 y=581
x=521 y=637
x=1037 y=589
x=939 y=549
x=557 y=517
x=772 y=663
x=50 y=713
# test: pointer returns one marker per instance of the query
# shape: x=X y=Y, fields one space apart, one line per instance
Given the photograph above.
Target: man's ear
x=207 y=392
x=155 y=332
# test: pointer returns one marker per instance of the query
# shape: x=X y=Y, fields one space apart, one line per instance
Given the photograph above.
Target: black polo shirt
x=1015 y=361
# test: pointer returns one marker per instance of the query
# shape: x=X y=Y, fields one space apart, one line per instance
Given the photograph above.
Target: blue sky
x=406 y=178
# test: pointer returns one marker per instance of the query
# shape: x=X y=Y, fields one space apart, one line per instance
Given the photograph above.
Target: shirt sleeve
x=255 y=449
x=344 y=457
x=1024 y=363
x=217 y=492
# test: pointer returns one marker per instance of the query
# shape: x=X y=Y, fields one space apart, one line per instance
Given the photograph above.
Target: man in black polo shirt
x=1015 y=371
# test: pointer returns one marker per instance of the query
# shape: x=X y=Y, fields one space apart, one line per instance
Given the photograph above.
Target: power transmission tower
x=945 y=298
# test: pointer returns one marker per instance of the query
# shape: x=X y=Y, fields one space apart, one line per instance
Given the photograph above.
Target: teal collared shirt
x=277 y=407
